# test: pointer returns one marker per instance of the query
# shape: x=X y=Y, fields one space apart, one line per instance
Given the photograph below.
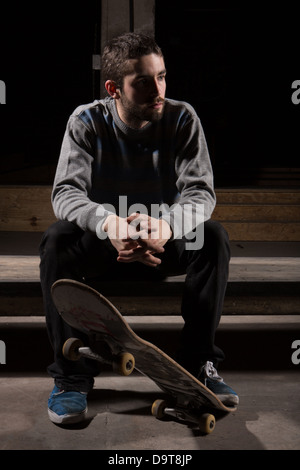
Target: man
x=135 y=150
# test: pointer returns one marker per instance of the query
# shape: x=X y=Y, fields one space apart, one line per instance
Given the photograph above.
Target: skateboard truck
x=122 y=363
x=206 y=422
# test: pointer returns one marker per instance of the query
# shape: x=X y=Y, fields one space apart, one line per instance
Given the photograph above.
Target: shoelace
x=211 y=372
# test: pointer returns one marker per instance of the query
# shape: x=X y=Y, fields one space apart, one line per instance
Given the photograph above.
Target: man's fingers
x=146 y=258
x=133 y=252
x=140 y=253
x=141 y=222
x=150 y=261
x=151 y=245
x=146 y=244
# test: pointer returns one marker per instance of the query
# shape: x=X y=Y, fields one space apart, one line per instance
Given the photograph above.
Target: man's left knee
x=215 y=230
x=216 y=237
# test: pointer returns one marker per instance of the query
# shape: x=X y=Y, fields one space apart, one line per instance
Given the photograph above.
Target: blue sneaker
x=67 y=407
x=211 y=379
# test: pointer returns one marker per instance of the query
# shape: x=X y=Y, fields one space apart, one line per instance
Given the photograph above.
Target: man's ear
x=112 y=89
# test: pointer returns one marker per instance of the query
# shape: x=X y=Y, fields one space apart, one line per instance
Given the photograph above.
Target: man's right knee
x=57 y=234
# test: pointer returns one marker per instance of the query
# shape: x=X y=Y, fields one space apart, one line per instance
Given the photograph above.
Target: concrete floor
x=119 y=417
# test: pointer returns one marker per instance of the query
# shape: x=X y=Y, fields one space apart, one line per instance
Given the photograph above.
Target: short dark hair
x=120 y=49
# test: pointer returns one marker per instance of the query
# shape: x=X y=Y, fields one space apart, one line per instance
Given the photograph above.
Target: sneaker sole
x=67 y=418
x=228 y=400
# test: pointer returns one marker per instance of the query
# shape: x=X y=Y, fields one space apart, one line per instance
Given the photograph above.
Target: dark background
x=235 y=65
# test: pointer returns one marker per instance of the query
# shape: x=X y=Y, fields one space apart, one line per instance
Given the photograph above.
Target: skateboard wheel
x=124 y=364
x=71 y=349
x=207 y=423
x=158 y=408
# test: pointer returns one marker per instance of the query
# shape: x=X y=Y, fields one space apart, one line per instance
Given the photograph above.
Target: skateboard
x=112 y=341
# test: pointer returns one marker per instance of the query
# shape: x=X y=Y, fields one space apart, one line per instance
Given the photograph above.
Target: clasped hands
x=138 y=237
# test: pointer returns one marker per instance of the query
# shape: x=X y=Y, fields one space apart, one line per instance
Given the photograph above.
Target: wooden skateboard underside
x=84 y=309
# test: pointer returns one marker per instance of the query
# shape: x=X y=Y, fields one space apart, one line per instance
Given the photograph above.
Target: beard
x=136 y=114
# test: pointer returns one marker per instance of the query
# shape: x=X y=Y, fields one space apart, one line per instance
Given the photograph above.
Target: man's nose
x=155 y=88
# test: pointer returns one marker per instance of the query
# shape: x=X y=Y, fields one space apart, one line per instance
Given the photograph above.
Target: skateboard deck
x=86 y=310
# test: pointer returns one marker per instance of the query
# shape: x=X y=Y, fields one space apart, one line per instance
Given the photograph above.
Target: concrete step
x=250 y=342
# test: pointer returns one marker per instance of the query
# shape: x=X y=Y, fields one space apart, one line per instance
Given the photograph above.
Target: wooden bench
x=248 y=215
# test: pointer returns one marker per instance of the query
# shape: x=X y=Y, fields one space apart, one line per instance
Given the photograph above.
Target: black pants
x=68 y=252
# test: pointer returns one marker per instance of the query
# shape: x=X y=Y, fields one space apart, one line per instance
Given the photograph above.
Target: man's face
x=142 y=96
